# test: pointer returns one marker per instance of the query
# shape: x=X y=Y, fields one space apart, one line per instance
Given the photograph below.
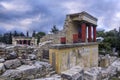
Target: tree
x=110 y=40
x=6 y=38
x=54 y=29
x=27 y=34
x=118 y=45
x=40 y=35
x=33 y=35
x=15 y=33
x=1 y=38
x=10 y=38
x=101 y=33
x=22 y=34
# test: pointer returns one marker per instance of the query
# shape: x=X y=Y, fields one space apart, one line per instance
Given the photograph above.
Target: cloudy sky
x=41 y=15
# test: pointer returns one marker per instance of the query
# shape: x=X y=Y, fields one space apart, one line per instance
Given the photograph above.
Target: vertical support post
x=94 y=33
x=89 y=34
x=18 y=41
x=22 y=41
x=27 y=42
x=83 y=32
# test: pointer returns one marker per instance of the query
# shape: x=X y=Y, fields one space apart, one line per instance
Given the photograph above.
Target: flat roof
x=82 y=13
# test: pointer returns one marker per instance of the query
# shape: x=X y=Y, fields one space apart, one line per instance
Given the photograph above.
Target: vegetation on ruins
x=33 y=34
x=111 y=40
x=7 y=37
x=39 y=35
x=27 y=34
x=54 y=29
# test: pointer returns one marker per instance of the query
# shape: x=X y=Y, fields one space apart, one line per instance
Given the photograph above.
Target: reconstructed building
x=78 y=46
x=24 y=40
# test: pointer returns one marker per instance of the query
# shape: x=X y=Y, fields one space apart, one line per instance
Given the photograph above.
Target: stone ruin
x=66 y=55
x=22 y=63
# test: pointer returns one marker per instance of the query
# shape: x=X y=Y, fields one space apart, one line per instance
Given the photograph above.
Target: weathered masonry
x=78 y=45
x=64 y=57
x=24 y=40
x=80 y=27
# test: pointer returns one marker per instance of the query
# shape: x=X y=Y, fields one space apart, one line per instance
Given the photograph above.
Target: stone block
x=75 y=73
x=2 y=68
x=12 y=64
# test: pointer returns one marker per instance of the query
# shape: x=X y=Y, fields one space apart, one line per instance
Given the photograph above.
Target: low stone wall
x=22 y=63
x=55 y=38
x=65 y=56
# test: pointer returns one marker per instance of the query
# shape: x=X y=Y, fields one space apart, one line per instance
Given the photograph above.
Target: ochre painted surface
x=66 y=58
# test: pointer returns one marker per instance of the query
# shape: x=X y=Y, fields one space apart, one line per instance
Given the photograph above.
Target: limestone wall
x=66 y=58
x=32 y=39
x=70 y=28
x=55 y=38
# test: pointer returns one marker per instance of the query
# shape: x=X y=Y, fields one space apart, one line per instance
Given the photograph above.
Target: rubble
x=32 y=56
x=75 y=73
x=12 y=73
x=12 y=64
x=54 y=77
x=93 y=74
x=22 y=63
x=2 y=68
x=25 y=72
x=117 y=64
x=11 y=55
x=46 y=66
x=2 y=60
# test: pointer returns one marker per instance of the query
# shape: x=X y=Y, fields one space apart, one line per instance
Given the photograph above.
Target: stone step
x=51 y=69
x=45 y=60
x=52 y=73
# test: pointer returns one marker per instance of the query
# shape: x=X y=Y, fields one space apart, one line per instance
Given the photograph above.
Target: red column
x=83 y=32
x=19 y=42
x=89 y=34
x=94 y=33
x=75 y=38
x=22 y=41
x=27 y=42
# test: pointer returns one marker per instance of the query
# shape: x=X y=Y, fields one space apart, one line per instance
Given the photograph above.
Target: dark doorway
x=29 y=42
x=20 y=42
x=25 y=42
x=45 y=54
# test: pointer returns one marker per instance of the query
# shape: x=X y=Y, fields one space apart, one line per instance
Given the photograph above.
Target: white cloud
x=8 y=27
x=74 y=6
x=26 y=14
x=16 y=6
x=71 y=7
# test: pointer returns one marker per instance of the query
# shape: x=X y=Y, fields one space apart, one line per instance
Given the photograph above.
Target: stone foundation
x=65 y=56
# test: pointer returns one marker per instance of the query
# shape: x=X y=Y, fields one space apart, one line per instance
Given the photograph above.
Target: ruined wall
x=66 y=58
x=70 y=29
x=14 y=41
x=55 y=38
x=32 y=39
